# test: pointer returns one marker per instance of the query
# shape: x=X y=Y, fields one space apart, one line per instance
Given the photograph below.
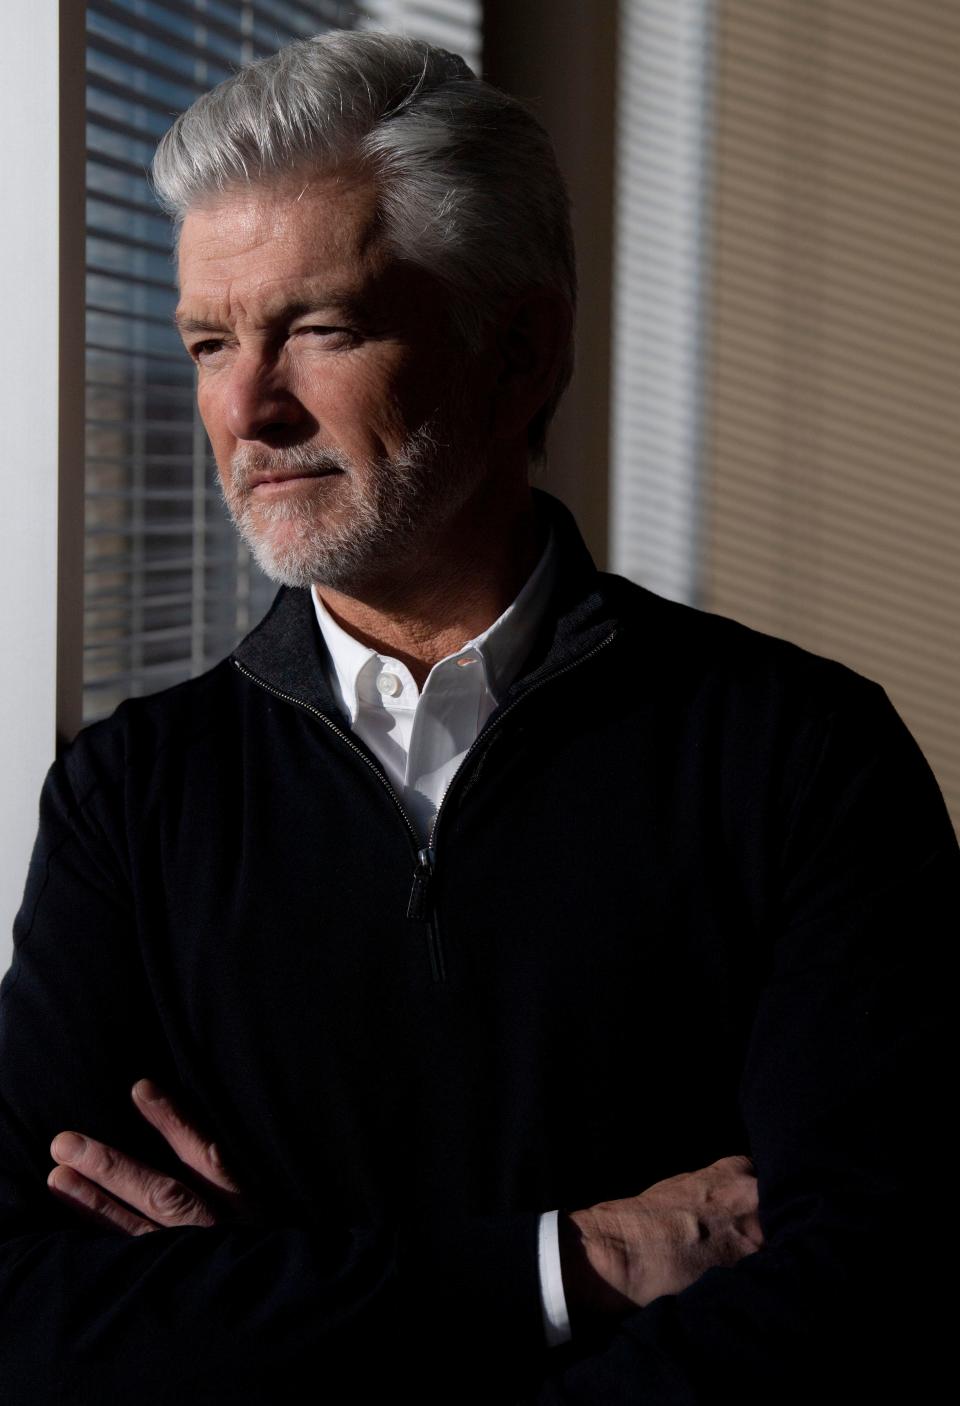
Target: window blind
x=833 y=492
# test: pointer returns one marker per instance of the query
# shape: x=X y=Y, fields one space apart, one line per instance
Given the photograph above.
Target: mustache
x=249 y=460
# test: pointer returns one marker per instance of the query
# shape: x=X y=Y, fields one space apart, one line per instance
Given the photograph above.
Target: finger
x=735 y=1166
x=160 y=1198
x=733 y=1184
x=192 y=1148
x=88 y=1198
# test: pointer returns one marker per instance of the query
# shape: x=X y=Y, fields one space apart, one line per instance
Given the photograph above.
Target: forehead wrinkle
x=269 y=256
x=299 y=302
x=275 y=215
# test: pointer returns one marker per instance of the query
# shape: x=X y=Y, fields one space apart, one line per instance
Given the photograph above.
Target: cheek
x=414 y=385
x=350 y=399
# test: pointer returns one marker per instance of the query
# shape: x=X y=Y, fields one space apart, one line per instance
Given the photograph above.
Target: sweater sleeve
x=843 y=1095
x=234 y=1313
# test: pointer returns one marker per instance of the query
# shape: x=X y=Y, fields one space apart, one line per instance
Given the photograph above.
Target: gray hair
x=469 y=184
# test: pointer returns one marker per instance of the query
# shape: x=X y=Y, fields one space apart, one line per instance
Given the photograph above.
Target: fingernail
x=147 y=1091
x=68 y=1146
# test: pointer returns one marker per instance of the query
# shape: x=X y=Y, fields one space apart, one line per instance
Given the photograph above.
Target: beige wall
x=832 y=476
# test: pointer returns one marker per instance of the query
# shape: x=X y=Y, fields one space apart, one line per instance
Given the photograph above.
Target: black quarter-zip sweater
x=690 y=894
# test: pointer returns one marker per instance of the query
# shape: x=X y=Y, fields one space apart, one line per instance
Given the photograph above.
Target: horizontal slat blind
x=834 y=503
x=168 y=586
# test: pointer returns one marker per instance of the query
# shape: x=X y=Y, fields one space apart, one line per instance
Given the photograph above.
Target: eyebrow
x=343 y=302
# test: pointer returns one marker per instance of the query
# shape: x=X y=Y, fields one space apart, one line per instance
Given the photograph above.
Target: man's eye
x=201 y=349
x=321 y=331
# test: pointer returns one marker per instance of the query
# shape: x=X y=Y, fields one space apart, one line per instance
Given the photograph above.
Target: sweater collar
x=286 y=651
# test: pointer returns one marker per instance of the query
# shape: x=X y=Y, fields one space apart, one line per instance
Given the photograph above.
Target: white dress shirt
x=420 y=738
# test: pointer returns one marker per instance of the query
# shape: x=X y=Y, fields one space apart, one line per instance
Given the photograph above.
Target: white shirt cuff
x=556 y=1321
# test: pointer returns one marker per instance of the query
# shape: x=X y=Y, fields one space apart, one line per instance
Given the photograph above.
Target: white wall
x=43 y=436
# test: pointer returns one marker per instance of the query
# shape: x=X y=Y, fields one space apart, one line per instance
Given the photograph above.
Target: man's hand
x=621 y=1254
x=89 y=1171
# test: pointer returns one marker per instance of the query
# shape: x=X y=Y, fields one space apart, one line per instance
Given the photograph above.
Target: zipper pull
x=417 y=905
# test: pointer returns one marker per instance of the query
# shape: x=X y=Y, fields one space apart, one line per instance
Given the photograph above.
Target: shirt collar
x=347 y=654
x=502 y=646
x=505 y=644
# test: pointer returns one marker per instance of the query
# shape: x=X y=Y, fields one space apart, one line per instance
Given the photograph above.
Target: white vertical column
x=452 y=24
x=41 y=409
x=659 y=312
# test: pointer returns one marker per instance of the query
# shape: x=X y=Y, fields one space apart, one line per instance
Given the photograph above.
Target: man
x=479 y=896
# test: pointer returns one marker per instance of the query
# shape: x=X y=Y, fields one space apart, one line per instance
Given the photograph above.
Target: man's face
x=344 y=428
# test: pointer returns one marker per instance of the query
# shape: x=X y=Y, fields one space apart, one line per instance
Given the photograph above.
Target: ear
x=530 y=341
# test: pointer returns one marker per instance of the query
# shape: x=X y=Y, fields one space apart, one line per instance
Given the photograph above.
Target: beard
x=361 y=519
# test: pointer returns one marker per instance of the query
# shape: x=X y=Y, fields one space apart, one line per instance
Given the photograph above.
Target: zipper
x=420 y=907
x=419 y=903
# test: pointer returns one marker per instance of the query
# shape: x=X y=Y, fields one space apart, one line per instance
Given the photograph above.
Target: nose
x=259 y=405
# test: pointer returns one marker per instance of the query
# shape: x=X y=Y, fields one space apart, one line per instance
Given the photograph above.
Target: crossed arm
x=616 y=1255
x=842 y=1089
x=120 y=1191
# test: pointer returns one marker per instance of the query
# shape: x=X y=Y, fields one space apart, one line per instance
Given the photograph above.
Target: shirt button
x=389 y=685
